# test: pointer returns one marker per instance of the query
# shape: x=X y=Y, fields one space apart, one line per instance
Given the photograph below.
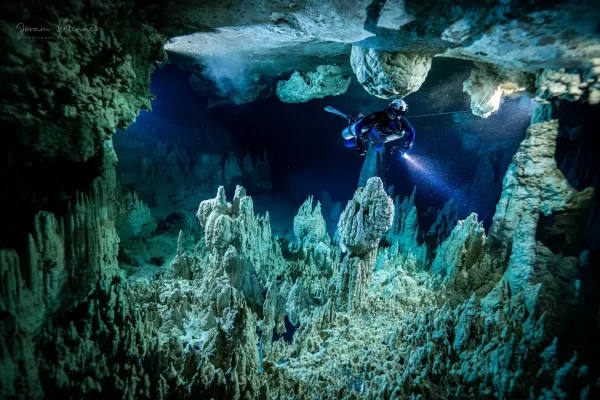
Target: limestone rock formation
x=533 y=186
x=309 y=224
x=181 y=266
x=73 y=256
x=371 y=323
x=226 y=224
x=389 y=75
x=134 y=220
x=366 y=218
x=486 y=84
x=67 y=109
x=328 y=80
x=267 y=38
x=571 y=85
x=461 y=250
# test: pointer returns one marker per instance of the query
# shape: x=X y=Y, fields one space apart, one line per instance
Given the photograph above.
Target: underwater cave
x=300 y=200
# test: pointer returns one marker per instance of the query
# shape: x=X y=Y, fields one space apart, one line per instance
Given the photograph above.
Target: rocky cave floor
x=467 y=318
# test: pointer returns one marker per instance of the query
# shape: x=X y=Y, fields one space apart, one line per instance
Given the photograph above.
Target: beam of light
x=426 y=170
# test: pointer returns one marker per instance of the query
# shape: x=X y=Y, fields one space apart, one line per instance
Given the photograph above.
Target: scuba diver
x=378 y=128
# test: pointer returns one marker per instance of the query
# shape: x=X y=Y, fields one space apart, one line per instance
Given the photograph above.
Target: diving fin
x=336 y=112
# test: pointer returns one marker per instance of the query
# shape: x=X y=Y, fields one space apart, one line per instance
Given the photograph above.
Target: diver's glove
x=407 y=146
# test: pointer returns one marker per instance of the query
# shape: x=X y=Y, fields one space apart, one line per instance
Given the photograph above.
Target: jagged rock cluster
x=64 y=300
x=134 y=219
x=67 y=109
x=266 y=39
x=309 y=224
x=571 y=85
x=328 y=80
x=361 y=317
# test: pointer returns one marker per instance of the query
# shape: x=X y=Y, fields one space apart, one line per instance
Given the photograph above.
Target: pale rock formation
x=70 y=107
x=486 y=84
x=366 y=218
x=196 y=338
x=228 y=224
x=571 y=85
x=181 y=266
x=538 y=39
x=461 y=250
x=273 y=312
x=71 y=265
x=309 y=224
x=394 y=277
x=269 y=38
x=592 y=79
x=533 y=186
x=389 y=75
x=328 y=80
x=134 y=220
x=561 y=84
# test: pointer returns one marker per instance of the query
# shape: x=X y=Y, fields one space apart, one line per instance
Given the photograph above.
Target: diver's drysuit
x=378 y=128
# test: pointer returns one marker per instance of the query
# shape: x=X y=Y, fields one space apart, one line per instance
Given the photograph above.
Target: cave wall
x=64 y=93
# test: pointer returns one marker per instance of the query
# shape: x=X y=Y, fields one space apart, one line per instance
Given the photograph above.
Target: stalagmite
x=309 y=225
x=366 y=218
